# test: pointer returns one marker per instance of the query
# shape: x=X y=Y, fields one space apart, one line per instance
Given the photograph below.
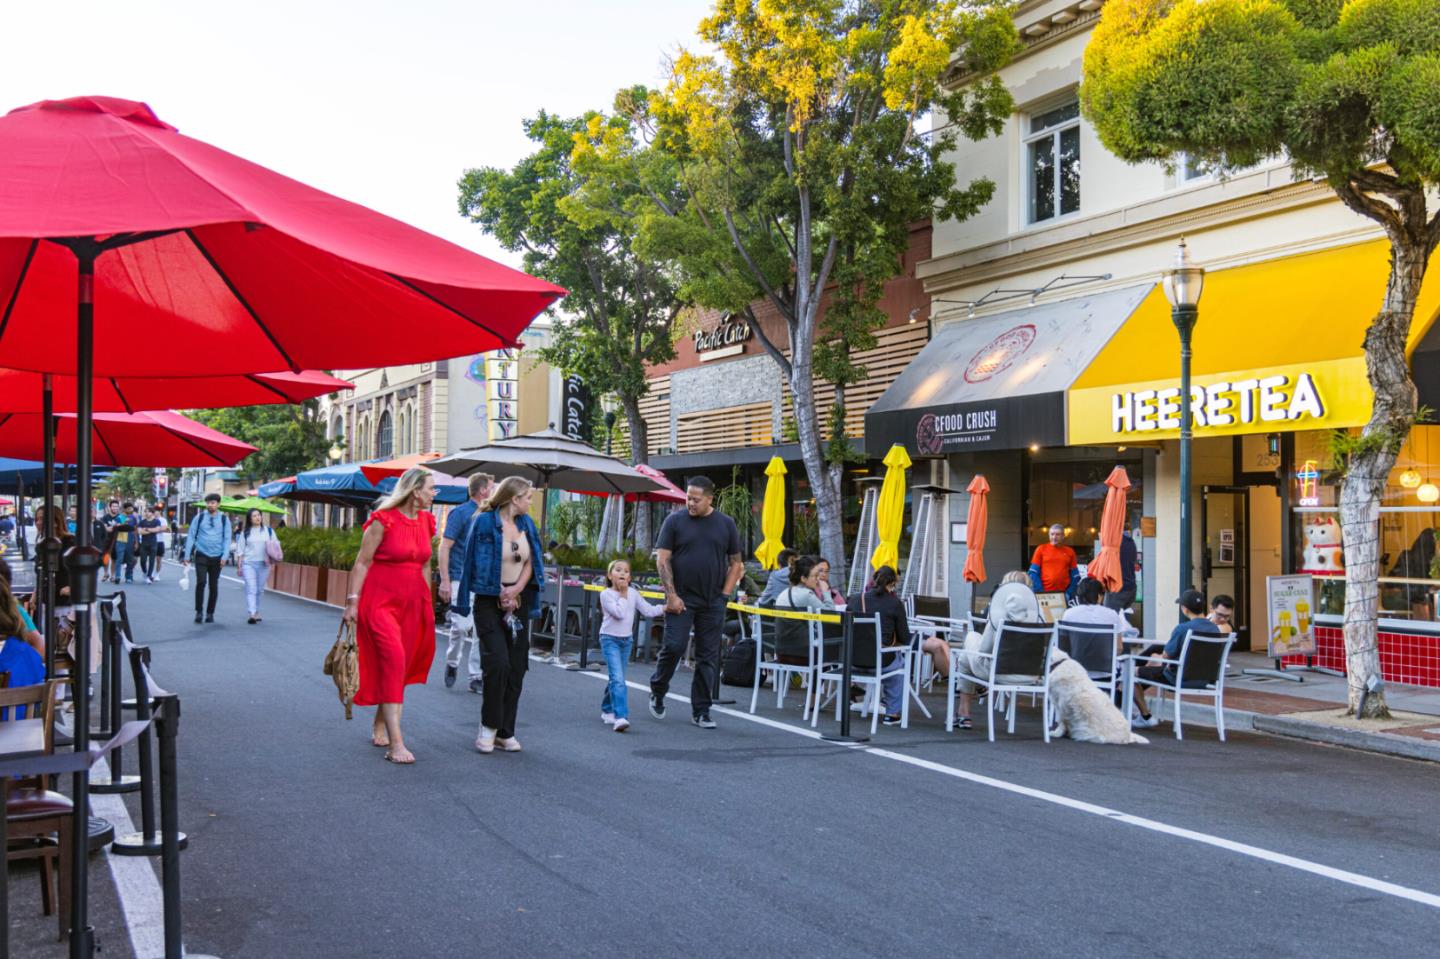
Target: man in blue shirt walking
x=461 y=628
x=207 y=543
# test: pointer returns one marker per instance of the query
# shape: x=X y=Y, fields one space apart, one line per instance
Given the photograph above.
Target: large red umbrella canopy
x=126 y=439
x=23 y=392
x=1106 y=565
x=976 y=522
x=375 y=472
x=232 y=267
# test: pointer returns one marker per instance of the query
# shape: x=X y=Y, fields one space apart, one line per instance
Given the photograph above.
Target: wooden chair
x=34 y=814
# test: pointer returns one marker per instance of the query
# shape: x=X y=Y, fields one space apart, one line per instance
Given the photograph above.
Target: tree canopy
x=289 y=439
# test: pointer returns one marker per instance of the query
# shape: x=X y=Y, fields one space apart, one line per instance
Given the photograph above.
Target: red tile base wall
x=1413 y=660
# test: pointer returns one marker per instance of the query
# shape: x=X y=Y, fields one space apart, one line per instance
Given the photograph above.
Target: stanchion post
x=139 y=660
x=106 y=730
x=847 y=628
x=586 y=610
x=167 y=722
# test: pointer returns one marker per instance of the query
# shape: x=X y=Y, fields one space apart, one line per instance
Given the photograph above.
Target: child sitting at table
x=619 y=604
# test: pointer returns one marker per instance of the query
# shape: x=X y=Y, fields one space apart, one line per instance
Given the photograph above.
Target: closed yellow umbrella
x=890 y=512
x=772 y=515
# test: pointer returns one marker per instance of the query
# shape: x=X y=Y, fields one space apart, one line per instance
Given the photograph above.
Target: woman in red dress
x=395 y=634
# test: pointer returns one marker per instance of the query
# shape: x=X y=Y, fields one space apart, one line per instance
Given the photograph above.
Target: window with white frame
x=384 y=437
x=1052 y=161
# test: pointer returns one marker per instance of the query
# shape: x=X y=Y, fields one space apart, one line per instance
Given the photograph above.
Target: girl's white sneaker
x=622 y=724
x=607 y=718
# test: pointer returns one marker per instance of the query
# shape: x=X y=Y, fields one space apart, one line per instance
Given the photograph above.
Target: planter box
x=286 y=578
x=308 y=585
x=337 y=585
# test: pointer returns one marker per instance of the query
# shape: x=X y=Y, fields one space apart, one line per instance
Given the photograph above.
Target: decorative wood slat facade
x=724 y=429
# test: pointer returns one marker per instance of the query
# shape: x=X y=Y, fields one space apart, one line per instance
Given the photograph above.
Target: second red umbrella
x=24 y=392
x=126 y=439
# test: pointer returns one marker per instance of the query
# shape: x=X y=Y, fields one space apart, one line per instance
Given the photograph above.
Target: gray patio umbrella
x=550 y=460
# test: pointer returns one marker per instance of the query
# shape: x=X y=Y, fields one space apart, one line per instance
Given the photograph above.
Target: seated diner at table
x=1013 y=602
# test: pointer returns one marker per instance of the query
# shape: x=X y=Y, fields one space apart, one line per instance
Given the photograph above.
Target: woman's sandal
x=964 y=722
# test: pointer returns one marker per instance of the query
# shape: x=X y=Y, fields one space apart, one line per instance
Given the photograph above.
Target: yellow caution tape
x=739 y=607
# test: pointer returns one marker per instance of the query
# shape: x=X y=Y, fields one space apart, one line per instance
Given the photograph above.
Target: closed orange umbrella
x=975 y=523
x=1106 y=565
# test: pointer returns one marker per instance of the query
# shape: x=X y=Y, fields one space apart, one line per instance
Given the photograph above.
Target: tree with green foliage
x=802 y=164
x=622 y=307
x=1347 y=89
x=129 y=483
x=288 y=439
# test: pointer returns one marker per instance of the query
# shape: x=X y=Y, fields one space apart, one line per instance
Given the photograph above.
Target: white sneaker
x=1138 y=721
x=486 y=742
x=622 y=724
x=607 y=718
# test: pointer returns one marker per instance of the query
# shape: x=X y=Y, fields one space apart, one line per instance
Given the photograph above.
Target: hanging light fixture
x=1410 y=479
x=1428 y=493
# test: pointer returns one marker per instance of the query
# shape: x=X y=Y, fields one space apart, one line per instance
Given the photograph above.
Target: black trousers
x=207 y=569
x=149 y=553
x=504 y=658
x=708 y=624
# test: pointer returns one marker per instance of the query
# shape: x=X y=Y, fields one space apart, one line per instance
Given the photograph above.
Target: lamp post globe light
x=336 y=453
x=1183 y=283
x=610 y=404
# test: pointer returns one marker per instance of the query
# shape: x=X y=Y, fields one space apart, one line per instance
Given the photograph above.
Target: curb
x=1243 y=720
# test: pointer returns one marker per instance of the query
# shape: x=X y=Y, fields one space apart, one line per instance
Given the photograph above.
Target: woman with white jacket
x=252 y=554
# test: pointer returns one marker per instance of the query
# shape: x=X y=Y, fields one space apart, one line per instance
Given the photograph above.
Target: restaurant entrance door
x=1225 y=558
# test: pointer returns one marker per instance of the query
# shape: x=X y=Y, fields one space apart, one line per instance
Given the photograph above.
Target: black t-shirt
x=700 y=547
x=149 y=528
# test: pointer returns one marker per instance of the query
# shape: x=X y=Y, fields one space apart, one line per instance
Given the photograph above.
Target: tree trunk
x=639 y=453
x=823 y=480
x=1367 y=470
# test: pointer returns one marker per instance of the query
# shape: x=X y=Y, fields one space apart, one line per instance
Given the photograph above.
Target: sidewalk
x=1314 y=708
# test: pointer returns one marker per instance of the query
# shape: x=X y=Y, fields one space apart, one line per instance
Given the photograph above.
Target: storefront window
x=1408 y=527
x=1073 y=494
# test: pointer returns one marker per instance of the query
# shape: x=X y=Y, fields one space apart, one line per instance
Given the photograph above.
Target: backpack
x=738 y=668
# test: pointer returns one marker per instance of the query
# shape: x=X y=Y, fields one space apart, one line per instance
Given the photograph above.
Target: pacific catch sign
x=503 y=379
x=1322 y=395
x=726 y=339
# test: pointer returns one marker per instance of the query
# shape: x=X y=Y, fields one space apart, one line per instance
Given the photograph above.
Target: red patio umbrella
x=158 y=438
x=976 y=521
x=112 y=224
x=667 y=493
x=375 y=472
x=22 y=391
x=1106 y=565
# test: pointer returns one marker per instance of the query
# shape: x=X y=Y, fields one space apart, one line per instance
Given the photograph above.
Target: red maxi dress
x=395 y=634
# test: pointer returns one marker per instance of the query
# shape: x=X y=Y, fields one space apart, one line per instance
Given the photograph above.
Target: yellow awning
x=1278 y=346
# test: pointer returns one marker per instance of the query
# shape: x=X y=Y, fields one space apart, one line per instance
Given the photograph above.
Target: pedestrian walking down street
x=150 y=548
x=206 y=546
x=461 y=628
x=501 y=575
x=255 y=548
x=618 y=606
x=103 y=536
x=698 y=553
x=389 y=601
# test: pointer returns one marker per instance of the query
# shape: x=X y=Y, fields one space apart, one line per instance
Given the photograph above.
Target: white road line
x=1114 y=815
x=135 y=882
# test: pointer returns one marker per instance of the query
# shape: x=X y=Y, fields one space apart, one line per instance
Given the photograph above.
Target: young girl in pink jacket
x=619 y=604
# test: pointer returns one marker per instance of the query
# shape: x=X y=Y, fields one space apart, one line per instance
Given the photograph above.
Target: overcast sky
x=383 y=103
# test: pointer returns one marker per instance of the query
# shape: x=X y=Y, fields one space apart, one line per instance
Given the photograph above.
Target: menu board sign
x=1290 y=623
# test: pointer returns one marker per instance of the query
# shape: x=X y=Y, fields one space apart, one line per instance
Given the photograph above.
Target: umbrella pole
x=47 y=544
x=84 y=561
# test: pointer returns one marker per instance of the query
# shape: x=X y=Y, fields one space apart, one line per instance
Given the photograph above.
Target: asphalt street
x=753 y=839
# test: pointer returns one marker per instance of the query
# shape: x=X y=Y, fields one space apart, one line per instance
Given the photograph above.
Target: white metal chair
x=871 y=663
x=1092 y=645
x=1199 y=672
x=791 y=639
x=1020 y=663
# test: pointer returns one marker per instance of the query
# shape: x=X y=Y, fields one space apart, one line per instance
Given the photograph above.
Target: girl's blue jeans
x=616 y=650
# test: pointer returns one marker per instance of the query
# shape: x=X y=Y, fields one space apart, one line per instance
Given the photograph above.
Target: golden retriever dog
x=1082 y=710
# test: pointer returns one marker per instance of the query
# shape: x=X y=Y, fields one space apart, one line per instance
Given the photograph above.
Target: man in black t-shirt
x=699 y=558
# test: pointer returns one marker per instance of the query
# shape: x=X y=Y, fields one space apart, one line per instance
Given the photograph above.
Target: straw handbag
x=342 y=664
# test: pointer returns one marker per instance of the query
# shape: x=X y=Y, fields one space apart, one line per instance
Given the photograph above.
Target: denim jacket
x=480 y=569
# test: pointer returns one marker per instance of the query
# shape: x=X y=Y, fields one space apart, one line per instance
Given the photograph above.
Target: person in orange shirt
x=1054 y=567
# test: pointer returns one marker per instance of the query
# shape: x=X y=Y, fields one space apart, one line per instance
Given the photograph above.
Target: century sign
x=1325 y=394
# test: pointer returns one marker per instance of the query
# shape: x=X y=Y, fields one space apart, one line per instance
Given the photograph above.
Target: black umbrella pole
x=843 y=693
x=46 y=543
x=83 y=560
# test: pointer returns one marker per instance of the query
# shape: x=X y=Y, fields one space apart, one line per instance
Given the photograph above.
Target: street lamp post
x=1183 y=283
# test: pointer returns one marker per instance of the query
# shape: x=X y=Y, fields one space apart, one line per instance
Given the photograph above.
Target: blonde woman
x=389 y=600
x=503 y=570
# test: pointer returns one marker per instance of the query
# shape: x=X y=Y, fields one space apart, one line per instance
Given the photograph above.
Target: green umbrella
x=245 y=504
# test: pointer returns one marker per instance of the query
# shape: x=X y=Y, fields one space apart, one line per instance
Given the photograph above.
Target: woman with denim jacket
x=503 y=570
